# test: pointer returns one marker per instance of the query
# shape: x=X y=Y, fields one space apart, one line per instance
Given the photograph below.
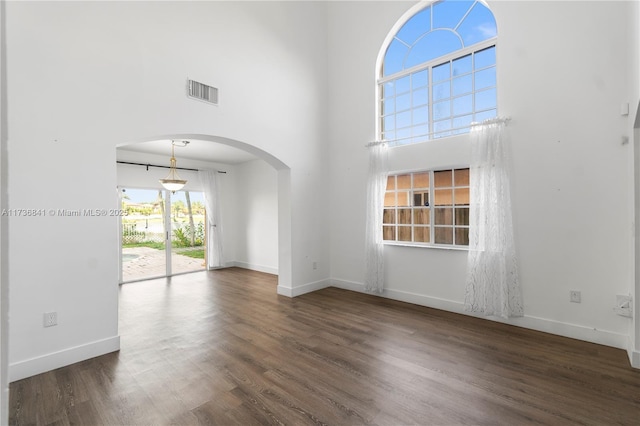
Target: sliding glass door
x=187 y=232
x=143 y=235
x=162 y=234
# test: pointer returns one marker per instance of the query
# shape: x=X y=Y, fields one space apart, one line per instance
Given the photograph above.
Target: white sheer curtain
x=493 y=286
x=210 y=187
x=374 y=248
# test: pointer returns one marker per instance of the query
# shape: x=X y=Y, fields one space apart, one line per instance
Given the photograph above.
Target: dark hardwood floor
x=222 y=348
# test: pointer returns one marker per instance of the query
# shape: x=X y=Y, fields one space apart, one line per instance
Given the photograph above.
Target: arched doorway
x=226 y=151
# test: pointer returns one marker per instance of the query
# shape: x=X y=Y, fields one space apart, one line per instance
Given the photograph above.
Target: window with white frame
x=427 y=208
x=439 y=73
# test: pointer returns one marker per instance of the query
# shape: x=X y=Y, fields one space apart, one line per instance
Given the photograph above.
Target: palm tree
x=191 y=224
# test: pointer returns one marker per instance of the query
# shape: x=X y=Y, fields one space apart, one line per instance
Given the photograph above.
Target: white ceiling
x=195 y=150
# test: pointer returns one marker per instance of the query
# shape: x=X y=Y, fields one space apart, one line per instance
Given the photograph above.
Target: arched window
x=438 y=73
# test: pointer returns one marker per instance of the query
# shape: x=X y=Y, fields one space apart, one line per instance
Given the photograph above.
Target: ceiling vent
x=202 y=92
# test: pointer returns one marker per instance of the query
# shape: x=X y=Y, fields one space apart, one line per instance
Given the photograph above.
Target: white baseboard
x=254 y=267
x=573 y=331
x=30 y=367
x=634 y=357
x=303 y=289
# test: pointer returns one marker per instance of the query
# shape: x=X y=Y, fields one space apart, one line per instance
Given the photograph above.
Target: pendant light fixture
x=173 y=182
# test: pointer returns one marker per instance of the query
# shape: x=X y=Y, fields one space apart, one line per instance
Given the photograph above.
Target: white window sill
x=427 y=246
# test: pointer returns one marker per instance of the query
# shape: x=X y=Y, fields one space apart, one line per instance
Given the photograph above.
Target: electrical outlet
x=50 y=319
x=315 y=265
x=624 y=306
x=575 y=296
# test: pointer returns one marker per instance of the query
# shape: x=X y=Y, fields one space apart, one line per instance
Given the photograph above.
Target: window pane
x=388 y=106
x=420 y=79
x=462 y=105
x=422 y=131
x=486 y=99
x=420 y=137
x=403 y=199
x=462 y=196
x=461 y=177
x=420 y=97
x=462 y=65
x=479 y=25
x=484 y=58
x=443 y=235
x=389 y=199
x=443 y=197
x=388 y=89
x=389 y=216
x=403 y=102
x=389 y=233
x=391 y=183
x=432 y=46
x=421 y=234
x=462 y=216
x=404 y=181
x=463 y=122
x=420 y=115
x=421 y=199
x=440 y=128
x=403 y=119
x=462 y=236
x=441 y=72
x=443 y=178
x=404 y=233
x=485 y=78
x=389 y=136
x=485 y=115
x=393 y=57
x=441 y=110
x=404 y=216
x=389 y=123
x=402 y=85
x=403 y=134
x=447 y=14
x=443 y=216
x=416 y=26
x=421 y=216
x=462 y=85
x=421 y=180
x=442 y=91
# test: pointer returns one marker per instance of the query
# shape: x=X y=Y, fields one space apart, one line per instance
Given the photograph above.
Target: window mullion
x=430 y=100
x=432 y=198
x=411 y=204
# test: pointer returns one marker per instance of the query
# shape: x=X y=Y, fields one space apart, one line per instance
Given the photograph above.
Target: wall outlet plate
x=575 y=296
x=50 y=319
x=624 y=306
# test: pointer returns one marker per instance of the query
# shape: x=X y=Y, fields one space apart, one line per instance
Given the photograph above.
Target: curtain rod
x=162 y=167
x=375 y=143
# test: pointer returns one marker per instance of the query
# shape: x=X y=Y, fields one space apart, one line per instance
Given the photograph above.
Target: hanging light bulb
x=173 y=182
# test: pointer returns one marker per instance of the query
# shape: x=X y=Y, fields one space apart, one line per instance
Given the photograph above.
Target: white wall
x=256 y=232
x=633 y=76
x=562 y=83
x=77 y=89
x=4 y=222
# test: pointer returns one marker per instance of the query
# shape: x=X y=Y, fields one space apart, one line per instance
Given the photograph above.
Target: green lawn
x=196 y=254
x=150 y=244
